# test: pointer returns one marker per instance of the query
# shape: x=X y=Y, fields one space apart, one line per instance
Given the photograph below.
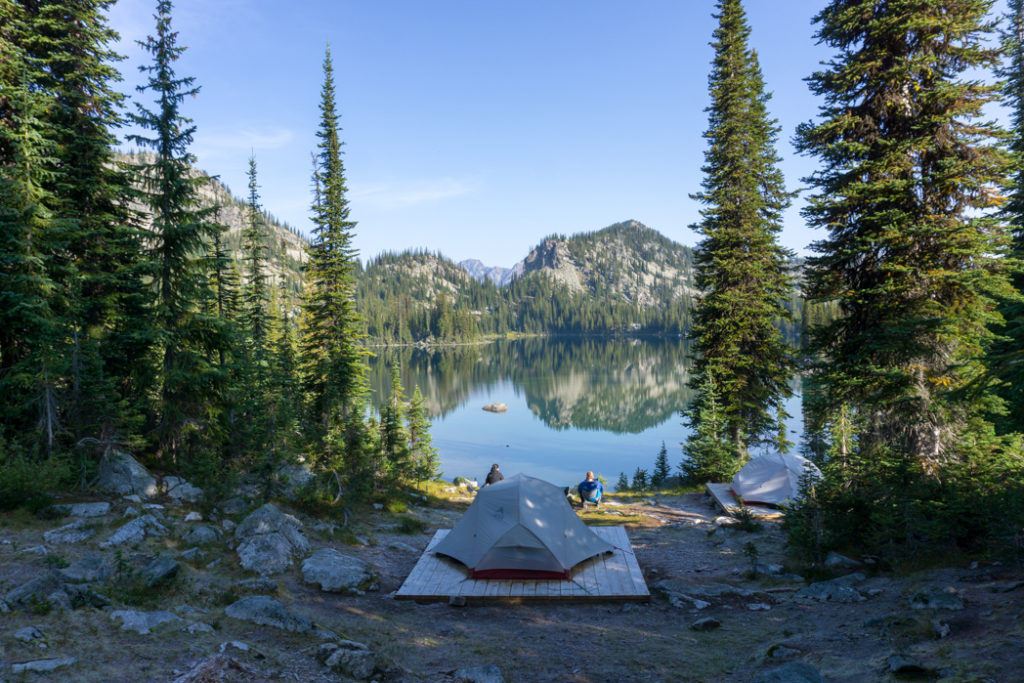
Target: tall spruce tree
x=741 y=269
x=93 y=251
x=183 y=234
x=1007 y=356
x=29 y=365
x=908 y=181
x=333 y=355
x=255 y=294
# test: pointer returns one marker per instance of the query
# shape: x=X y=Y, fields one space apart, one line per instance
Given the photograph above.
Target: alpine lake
x=574 y=404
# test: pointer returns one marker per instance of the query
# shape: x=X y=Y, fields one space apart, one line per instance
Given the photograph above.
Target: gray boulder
x=89 y=568
x=83 y=595
x=268 y=539
x=293 y=478
x=935 y=597
x=81 y=509
x=42 y=588
x=180 y=490
x=158 y=571
x=193 y=555
x=836 y=561
x=142 y=622
x=835 y=590
x=136 y=531
x=202 y=534
x=336 y=572
x=122 y=474
x=266 y=611
x=705 y=624
x=76 y=532
x=792 y=672
x=42 y=666
x=28 y=634
x=348 y=658
x=233 y=506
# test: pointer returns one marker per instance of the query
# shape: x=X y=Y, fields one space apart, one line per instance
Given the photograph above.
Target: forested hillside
x=626 y=278
x=285 y=245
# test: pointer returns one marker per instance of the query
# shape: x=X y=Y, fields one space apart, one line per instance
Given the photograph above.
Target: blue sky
x=471 y=127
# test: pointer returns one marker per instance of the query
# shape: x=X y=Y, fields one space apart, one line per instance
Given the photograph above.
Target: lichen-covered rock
x=268 y=539
x=935 y=597
x=36 y=590
x=158 y=571
x=76 y=532
x=42 y=666
x=89 y=568
x=142 y=622
x=266 y=611
x=136 y=531
x=348 y=658
x=336 y=572
x=202 y=534
x=122 y=474
x=180 y=490
x=834 y=590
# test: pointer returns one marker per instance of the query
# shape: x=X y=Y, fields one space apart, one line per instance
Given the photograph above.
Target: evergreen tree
x=661 y=468
x=334 y=358
x=1007 y=355
x=421 y=449
x=909 y=178
x=182 y=236
x=623 y=482
x=397 y=466
x=29 y=365
x=640 y=483
x=92 y=251
x=709 y=456
x=255 y=292
x=741 y=269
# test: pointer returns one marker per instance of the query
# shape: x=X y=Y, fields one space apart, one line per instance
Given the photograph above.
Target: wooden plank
x=614 y=575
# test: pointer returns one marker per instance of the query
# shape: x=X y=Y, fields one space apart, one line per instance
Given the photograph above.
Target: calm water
x=573 y=405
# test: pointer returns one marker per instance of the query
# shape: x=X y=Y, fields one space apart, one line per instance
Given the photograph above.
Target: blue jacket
x=590 y=490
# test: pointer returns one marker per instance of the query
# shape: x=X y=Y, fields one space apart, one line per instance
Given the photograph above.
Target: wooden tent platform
x=722 y=495
x=612 y=576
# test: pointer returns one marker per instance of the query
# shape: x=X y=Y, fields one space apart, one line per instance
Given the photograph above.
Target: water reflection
x=619 y=386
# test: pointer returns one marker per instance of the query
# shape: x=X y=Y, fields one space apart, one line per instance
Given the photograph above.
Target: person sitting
x=494 y=476
x=590 y=490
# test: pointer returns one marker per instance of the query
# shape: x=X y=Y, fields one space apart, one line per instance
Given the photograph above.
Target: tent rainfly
x=772 y=479
x=521 y=528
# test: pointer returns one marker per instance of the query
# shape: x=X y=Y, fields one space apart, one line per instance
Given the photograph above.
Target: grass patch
x=410 y=525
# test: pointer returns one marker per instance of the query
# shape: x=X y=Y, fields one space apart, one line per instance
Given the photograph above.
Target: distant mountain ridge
x=496 y=274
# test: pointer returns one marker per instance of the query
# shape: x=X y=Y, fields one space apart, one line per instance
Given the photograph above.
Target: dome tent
x=772 y=478
x=521 y=528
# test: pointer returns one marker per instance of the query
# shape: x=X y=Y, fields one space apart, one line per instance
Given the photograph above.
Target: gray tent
x=773 y=478
x=521 y=528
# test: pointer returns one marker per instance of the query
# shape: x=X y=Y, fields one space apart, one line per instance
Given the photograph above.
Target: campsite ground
x=763 y=624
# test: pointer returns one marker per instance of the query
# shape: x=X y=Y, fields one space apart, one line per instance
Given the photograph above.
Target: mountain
x=496 y=274
x=624 y=278
x=626 y=262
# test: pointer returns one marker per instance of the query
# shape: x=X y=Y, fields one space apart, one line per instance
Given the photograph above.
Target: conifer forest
x=131 y=322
